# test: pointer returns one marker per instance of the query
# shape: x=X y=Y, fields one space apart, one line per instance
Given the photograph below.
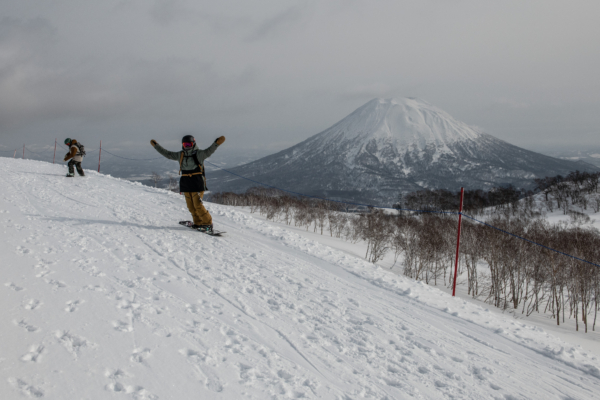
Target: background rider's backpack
x=81 y=148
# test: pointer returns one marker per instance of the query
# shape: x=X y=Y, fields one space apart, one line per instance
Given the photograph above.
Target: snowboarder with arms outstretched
x=193 y=181
x=75 y=155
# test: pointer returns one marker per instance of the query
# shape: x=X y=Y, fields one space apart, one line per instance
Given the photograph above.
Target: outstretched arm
x=171 y=155
x=204 y=154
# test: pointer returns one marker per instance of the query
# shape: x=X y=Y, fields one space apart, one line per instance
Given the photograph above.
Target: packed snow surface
x=105 y=296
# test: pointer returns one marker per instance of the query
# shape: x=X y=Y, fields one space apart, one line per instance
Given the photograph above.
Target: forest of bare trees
x=497 y=267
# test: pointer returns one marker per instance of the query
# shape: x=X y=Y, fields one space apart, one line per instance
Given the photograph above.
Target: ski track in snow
x=105 y=296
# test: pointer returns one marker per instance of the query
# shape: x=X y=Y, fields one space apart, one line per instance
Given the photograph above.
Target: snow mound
x=105 y=296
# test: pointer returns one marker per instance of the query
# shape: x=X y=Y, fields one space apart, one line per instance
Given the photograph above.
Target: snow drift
x=105 y=296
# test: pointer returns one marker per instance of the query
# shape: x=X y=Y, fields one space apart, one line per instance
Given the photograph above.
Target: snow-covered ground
x=104 y=296
x=590 y=341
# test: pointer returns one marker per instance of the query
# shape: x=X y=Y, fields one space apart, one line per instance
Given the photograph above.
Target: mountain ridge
x=391 y=146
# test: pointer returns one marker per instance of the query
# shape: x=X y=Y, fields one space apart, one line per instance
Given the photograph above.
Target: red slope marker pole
x=99 y=155
x=54 y=158
x=462 y=193
x=15 y=155
x=23 y=152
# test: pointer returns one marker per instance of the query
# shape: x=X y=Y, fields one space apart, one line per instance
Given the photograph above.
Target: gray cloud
x=279 y=22
x=269 y=74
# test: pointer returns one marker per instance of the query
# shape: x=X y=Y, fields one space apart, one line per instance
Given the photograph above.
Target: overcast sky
x=268 y=74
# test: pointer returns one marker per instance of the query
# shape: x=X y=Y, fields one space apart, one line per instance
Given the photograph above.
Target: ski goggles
x=187 y=145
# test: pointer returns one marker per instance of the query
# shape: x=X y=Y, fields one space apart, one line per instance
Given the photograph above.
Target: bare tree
x=173 y=184
x=156 y=178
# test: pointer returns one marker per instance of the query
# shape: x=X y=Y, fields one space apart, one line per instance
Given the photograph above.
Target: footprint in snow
x=25 y=388
x=137 y=392
x=116 y=387
x=43 y=273
x=13 y=286
x=57 y=284
x=211 y=380
x=49 y=250
x=115 y=374
x=480 y=373
x=73 y=343
x=140 y=355
x=286 y=376
x=22 y=250
x=33 y=304
x=440 y=384
x=122 y=326
x=355 y=302
x=72 y=305
x=393 y=382
x=95 y=288
x=126 y=304
x=23 y=324
x=35 y=353
x=92 y=271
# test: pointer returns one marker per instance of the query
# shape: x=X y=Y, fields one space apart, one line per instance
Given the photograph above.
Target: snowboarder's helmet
x=188 y=142
x=67 y=141
x=188 y=138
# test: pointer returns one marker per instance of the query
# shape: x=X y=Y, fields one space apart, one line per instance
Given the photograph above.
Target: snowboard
x=190 y=223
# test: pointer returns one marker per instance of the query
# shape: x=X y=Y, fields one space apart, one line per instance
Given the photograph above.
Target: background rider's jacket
x=74 y=152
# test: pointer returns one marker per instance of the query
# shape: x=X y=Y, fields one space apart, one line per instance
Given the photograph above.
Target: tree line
x=499 y=268
x=577 y=189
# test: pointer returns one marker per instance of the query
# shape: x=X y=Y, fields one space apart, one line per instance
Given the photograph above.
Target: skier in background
x=193 y=181
x=75 y=154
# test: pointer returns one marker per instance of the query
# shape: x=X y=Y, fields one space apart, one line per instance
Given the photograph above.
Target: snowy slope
x=104 y=296
x=391 y=146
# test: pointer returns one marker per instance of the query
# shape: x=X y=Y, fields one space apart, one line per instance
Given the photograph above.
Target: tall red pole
x=15 y=155
x=23 y=151
x=462 y=193
x=54 y=158
x=99 y=155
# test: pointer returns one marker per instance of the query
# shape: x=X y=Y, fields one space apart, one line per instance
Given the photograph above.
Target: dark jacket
x=192 y=174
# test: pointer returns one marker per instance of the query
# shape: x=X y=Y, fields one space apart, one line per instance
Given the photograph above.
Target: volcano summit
x=390 y=146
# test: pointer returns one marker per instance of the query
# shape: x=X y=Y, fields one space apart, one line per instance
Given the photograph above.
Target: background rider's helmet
x=67 y=141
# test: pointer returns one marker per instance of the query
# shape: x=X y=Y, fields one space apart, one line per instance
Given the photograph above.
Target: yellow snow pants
x=200 y=214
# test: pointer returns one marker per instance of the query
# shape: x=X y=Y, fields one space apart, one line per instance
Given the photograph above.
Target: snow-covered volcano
x=389 y=146
x=398 y=123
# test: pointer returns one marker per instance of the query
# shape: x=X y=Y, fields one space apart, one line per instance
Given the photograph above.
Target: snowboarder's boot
x=206 y=228
x=70 y=175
